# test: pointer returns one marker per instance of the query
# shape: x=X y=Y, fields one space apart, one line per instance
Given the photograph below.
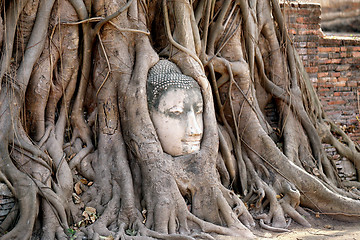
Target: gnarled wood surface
x=80 y=154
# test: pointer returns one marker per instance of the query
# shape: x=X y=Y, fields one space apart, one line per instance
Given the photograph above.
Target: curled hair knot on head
x=163 y=76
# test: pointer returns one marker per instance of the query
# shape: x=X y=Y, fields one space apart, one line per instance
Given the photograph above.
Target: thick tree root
x=71 y=142
x=273 y=229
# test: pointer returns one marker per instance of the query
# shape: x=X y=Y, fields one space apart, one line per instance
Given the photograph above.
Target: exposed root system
x=80 y=153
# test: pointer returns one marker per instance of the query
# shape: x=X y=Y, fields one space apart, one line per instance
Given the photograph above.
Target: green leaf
x=71 y=231
x=130 y=232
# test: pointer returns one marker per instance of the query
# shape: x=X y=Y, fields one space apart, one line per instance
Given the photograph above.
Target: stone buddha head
x=176 y=106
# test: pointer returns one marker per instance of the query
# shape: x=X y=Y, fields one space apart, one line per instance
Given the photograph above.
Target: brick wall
x=332 y=62
x=338 y=81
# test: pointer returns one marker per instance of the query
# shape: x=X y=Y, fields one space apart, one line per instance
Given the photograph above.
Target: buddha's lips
x=191 y=146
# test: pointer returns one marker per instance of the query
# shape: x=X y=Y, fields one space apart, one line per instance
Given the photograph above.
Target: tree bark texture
x=81 y=156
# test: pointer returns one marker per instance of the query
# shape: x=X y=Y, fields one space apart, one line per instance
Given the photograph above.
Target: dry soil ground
x=323 y=227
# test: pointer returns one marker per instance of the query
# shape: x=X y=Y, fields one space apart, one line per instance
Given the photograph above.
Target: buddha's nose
x=193 y=127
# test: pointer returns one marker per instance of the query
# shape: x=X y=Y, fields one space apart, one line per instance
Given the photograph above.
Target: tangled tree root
x=81 y=155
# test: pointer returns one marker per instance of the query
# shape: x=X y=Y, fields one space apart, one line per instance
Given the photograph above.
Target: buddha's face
x=178 y=121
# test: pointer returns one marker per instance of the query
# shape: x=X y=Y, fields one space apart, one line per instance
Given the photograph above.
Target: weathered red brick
x=343 y=54
x=301 y=44
x=312 y=51
x=304 y=11
x=312 y=44
x=311 y=69
x=352 y=84
x=302 y=51
x=323 y=74
x=323 y=61
x=343 y=79
x=356 y=54
x=335 y=74
x=324 y=79
x=326 y=41
x=340 y=84
x=308 y=19
x=326 y=85
x=324 y=49
x=329 y=49
x=308 y=32
x=338 y=102
x=292 y=31
x=352 y=60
